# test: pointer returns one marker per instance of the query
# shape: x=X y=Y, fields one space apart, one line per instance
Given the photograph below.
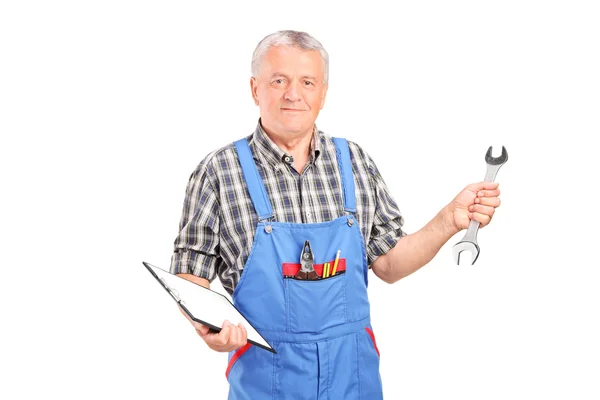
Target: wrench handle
x=471 y=235
x=491 y=172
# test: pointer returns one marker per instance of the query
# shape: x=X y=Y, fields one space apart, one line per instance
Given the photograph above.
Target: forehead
x=291 y=61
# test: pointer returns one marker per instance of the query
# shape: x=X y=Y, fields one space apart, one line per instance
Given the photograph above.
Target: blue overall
x=320 y=328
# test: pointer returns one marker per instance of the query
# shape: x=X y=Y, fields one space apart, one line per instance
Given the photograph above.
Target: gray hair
x=289 y=38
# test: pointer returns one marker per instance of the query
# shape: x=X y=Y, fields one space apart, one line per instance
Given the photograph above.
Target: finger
x=195 y=324
x=240 y=336
x=202 y=330
x=234 y=338
x=184 y=313
x=235 y=342
x=478 y=208
x=490 y=185
x=481 y=218
x=488 y=201
x=244 y=333
x=488 y=193
x=483 y=186
x=225 y=334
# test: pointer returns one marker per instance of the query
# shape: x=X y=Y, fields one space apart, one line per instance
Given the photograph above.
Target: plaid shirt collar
x=274 y=154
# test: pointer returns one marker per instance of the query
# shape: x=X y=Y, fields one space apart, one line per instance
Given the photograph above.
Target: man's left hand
x=477 y=201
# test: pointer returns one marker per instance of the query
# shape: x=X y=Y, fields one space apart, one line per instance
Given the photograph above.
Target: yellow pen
x=335 y=263
x=325 y=270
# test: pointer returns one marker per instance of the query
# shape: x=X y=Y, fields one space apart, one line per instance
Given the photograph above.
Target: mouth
x=291 y=109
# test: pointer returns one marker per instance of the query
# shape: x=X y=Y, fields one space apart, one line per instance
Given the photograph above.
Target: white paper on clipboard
x=204 y=305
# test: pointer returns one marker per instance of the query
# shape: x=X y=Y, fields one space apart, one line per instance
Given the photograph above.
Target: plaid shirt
x=219 y=221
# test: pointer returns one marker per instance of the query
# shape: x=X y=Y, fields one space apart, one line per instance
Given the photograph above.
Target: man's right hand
x=230 y=338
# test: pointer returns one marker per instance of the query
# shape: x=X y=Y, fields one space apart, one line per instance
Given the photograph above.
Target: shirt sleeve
x=196 y=248
x=387 y=221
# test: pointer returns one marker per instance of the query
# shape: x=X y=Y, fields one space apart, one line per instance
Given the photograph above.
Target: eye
x=308 y=83
x=278 y=81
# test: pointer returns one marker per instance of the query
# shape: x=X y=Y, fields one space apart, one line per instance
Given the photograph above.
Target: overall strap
x=345 y=165
x=256 y=187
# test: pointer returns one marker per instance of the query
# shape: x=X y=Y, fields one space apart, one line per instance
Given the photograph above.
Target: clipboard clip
x=171 y=291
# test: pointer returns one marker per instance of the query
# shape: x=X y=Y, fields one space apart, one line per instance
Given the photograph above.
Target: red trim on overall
x=239 y=352
x=291 y=269
x=370 y=332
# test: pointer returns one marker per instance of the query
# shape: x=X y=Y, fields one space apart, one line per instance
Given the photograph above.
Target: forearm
x=415 y=250
x=195 y=279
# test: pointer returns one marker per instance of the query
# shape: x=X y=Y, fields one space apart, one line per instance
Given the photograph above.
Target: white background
x=107 y=107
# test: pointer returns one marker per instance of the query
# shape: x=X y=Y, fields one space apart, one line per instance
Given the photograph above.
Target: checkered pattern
x=218 y=221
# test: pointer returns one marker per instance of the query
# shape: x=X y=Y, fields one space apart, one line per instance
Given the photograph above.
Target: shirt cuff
x=381 y=245
x=195 y=263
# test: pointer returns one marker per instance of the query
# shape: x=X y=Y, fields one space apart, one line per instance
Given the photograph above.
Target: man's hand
x=230 y=338
x=477 y=201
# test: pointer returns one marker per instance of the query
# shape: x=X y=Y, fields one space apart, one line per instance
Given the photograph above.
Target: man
x=290 y=220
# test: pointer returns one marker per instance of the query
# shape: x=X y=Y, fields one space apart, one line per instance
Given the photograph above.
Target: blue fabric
x=318 y=328
x=260 y=199
x=343 y=155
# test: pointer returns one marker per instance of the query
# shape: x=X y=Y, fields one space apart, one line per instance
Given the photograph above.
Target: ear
x=324 y=95
x=253 y=89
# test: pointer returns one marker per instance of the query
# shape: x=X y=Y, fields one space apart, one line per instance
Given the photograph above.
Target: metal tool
x=307 y=261
x=469 y=241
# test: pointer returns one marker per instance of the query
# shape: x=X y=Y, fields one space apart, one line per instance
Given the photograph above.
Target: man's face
x=289 y=89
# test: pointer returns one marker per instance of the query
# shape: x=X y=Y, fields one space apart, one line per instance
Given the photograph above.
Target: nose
x=291 y=93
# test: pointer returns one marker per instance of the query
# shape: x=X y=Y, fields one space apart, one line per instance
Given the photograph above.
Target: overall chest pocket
x=312 y=306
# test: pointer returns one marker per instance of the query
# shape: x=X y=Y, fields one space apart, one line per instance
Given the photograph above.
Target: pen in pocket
x=335 y=263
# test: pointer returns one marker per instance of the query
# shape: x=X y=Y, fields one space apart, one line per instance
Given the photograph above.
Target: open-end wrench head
x=462 y=247
x=496 y=160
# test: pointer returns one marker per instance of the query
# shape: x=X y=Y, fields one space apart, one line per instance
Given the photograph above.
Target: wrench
x=469 y=241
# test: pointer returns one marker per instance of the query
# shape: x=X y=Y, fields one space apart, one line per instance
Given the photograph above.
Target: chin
x=294 y=128
x=293 y=125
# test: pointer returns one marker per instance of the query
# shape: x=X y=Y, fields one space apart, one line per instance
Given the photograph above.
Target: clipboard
x=204 y=305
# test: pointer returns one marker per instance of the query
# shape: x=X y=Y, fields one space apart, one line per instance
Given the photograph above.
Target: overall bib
x=320 y=328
